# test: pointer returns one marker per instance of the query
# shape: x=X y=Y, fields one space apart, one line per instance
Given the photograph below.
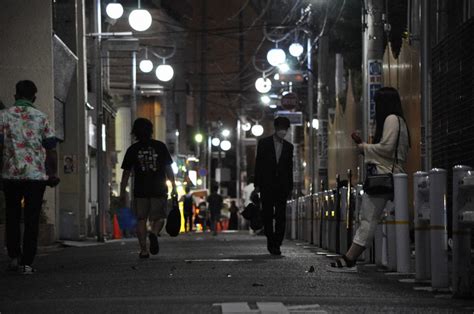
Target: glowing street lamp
x=246 y=126
x=225 y=133
x=140 y=19
x=198 y=138
x=257 y=130
x=225 y=145
x=276 y=56
x=146 y=66
x=283 y=67
x=263 y=85
x=296 y=49
x=215 y=141
x=164 y=72
x=265 y=99
x=114 y=10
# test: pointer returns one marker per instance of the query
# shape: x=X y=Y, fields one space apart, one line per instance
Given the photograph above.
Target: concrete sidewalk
x=199 y=273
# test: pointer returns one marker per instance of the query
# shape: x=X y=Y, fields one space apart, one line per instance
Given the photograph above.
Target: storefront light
x=276 y=56
x=263 y=85
x=296 y=49
x=146 y=66
x=225 y=145
x=164 y=72
x=140 y=20
x=257 y=130
x=215 y=141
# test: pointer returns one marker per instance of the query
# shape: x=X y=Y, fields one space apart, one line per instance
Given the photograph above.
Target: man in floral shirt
x=28 y=162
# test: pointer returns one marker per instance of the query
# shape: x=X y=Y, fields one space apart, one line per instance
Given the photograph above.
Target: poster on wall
x=69 y=164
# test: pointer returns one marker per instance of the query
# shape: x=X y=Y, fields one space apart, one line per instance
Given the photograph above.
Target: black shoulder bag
x=378 y=184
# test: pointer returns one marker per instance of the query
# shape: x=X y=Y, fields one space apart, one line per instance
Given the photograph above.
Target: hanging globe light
x=263 y=85
x=246 y=126
x=276 y=56
x=114 y=10
x=140 y=20
x=257 y=130
x=215 y=141
x=225 y=145
x=265 y=99
x=296 y=49
x=164 y=72
x=146 y=66
x=283 y=67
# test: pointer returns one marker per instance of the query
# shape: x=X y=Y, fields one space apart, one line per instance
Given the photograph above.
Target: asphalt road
x=195 y=272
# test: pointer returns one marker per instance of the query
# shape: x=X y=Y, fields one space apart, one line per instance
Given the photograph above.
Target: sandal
x=343 y=265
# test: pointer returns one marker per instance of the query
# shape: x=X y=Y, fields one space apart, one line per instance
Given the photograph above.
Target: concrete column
x=27 y=53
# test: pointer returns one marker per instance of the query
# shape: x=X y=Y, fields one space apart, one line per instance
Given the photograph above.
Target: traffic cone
x=117 y=234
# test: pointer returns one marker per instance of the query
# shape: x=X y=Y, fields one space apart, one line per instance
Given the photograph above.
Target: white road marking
x=269 y=308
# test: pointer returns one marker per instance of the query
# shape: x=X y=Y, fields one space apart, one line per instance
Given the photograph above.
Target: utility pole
x=426 y=84
x=309 y=57
x=203 y=98
x=372 y=61
x=323 y=85
x=101 y=170
x=238 y=150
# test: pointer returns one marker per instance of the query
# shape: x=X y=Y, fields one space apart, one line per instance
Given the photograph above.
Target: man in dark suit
x=274 y=181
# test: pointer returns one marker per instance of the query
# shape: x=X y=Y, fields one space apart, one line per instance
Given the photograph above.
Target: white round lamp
x=296 y=49
x=146 y=66
x=276 y=56
x=140 y=20
x=225 y=145
x=263 y=85
x=164 y=72
x=257 y=130
x=114 y=10
x=215 y=141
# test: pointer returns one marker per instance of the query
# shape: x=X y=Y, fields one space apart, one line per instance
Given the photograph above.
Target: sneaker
x=27 y=270
x=143 y=255
x=154 y=246
x=342 y=265
x=13 y=265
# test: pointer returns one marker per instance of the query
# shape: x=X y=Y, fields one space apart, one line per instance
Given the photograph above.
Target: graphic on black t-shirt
x=147 y=159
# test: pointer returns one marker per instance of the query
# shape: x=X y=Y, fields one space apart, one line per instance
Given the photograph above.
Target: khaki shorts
x=151 y=208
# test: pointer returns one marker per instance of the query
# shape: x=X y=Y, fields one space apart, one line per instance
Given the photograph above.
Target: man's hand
x=53 y=181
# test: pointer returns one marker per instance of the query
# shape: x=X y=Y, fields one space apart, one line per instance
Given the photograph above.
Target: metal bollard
x=463 y=221
x=422 y=224
x=400 y=183
x=438 y=230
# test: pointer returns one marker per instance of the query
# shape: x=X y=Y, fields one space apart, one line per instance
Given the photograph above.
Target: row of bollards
x=329 y=219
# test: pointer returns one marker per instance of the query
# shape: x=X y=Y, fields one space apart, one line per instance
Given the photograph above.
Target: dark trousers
x=32 y=193
x=274 y=209
x=188 y=221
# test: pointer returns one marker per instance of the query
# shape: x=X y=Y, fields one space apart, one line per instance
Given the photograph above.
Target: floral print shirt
x=25 y=134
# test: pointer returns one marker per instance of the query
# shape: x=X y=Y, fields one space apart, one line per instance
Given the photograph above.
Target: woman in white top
x=380 y=157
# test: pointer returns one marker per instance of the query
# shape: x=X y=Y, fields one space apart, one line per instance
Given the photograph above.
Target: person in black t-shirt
x=150 y=162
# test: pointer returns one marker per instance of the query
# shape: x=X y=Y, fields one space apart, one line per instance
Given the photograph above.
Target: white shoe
x=343 y=269
x=27 y=270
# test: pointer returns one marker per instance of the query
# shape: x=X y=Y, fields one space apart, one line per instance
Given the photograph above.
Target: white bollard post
x=438 y=230
x=463 y=192
x=293 y=220
x=400 y=183
x=422 y=224
x=343 y=246
x=391 y=240
x=316 y=217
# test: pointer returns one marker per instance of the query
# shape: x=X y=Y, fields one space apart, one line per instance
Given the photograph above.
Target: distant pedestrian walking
x=234 y=216
x=29 y=163
x=274 y=181
x=386 y=155
x=215 y=202
x=150 y=161
x=188 y=209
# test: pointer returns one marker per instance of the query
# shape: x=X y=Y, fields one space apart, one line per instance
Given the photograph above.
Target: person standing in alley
x=28 y=161
x=274 y=182
x=215 y=202
x=150 y=162
x=387 y=154
x=234 y=218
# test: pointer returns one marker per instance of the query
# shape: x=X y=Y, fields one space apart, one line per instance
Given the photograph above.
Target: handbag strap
x=395 y=160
